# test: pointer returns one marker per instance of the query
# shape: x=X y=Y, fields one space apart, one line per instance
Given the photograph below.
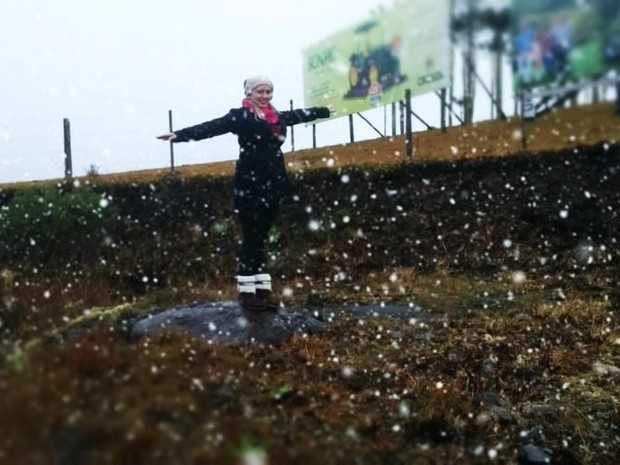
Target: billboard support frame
x=565 y=92
x=370 y=124
x=500 y=112
x=407 y=112
x=451 y=113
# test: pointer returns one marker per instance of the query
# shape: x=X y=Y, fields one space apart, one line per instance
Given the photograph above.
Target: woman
x=260 y=178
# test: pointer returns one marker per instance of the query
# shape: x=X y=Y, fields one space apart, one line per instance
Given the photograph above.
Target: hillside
x=564 y=128
x=503 y=265
x=561 y=129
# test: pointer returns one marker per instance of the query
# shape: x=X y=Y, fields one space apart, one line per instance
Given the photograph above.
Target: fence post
x=384 y=120
x=393 y=119
x=408 y=127
x=68 y=158
x=351 y=134
x=171 y=143
x=314 y=136
x=443 y=109
x=618 y=91
x=292 y=129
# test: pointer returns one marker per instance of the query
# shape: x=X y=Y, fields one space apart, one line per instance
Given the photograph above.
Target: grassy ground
x=517 y=344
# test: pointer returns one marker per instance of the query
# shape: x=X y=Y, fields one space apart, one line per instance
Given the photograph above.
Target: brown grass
x=560 y=129
x=370 y=390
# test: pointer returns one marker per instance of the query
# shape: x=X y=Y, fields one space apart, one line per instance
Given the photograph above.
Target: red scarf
x=268 y=113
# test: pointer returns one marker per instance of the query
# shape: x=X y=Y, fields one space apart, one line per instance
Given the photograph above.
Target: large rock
x=227 y=322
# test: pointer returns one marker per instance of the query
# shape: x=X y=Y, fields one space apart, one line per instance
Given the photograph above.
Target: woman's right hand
x=168 y=136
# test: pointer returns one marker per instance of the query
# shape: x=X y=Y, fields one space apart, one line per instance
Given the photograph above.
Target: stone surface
x=487 y=398
x=227 y=322
x=531 y=455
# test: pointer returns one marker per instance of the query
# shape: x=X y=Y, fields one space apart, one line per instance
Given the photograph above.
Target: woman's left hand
x=168 y=136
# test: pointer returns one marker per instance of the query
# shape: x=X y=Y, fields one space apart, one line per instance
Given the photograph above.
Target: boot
x=251 y=302
x=270 y=301
x=263 y=291
x=247 y=294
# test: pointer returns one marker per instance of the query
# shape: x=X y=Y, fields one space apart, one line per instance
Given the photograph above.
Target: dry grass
x=368 y=389
x=371 y=390
x=563 y=128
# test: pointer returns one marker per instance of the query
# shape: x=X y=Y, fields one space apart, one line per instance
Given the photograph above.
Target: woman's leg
x=256 y=219
x=263 y=278
x=248 y=263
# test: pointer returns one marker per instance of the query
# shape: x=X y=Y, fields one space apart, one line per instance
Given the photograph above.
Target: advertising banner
x=370 y=64
x=558 y=41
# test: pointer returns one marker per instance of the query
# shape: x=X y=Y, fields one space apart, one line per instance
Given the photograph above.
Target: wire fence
x=35 y=148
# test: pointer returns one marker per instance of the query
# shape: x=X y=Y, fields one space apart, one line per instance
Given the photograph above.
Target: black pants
x=256 y=216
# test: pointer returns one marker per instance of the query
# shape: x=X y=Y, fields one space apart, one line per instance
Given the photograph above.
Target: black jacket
x=260 y=172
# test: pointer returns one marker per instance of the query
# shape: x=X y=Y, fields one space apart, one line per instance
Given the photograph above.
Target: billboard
x=558 y=41
x=371 y=63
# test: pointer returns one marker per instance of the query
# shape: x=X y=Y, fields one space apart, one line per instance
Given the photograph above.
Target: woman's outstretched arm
x=305 y=115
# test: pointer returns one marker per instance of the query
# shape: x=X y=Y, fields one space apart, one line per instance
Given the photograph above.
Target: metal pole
x=499 y=88
x=314 y=136
x=292 y=131
x=523 y=138
x=500 y=113
x=618 y=91
x=443 y=110
x=384 y=119
x=68 y=158
x=352 y=135
x=408 y=124
x=393 y=118
x=493 y=106
x=371 y=125
x=515 y=110
x=452 y=52
x=171 y=143
x=450 y=111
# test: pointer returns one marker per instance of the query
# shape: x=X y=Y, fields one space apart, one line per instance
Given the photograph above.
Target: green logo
x=321 y=59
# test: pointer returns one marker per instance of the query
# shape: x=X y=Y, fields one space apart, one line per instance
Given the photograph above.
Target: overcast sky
x=115 y=68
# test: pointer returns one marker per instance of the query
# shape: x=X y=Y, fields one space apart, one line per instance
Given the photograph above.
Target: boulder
x=227 y=322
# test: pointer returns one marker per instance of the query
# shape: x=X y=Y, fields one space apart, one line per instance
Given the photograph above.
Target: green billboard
x=560 y=41
x=371 y=63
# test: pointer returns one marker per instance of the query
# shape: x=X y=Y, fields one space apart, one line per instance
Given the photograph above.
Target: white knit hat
x=253 y=82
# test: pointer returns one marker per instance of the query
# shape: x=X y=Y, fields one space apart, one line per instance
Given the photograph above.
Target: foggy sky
x=115 y=68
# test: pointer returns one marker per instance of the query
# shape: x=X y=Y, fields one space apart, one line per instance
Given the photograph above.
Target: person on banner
x=260 y=180
x=561 y=36
x=523 y=49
